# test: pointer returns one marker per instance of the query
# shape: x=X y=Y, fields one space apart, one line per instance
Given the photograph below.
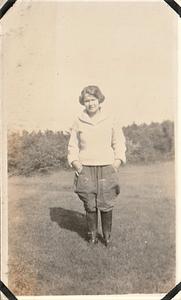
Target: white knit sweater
x=96 y=141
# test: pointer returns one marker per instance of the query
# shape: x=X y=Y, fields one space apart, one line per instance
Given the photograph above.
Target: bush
x=148 y=143
x=37 y=152
x=40 y=152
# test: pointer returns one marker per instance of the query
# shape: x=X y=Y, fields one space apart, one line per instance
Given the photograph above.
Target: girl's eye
x=88 y=101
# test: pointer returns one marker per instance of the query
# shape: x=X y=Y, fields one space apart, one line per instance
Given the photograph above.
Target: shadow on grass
x=69 y=219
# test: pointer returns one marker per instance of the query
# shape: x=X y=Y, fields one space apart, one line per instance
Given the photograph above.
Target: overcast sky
x=52 y=50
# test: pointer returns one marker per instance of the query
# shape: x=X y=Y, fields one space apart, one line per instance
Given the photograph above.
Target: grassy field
x=48 y=251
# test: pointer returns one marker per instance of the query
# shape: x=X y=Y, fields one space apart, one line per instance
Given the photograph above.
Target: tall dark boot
x=92 y=223
x=106 y=220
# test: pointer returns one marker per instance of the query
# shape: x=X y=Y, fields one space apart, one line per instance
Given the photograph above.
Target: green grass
x=48 y=251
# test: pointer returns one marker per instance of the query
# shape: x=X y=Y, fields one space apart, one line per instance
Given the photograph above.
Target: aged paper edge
x=4 y=182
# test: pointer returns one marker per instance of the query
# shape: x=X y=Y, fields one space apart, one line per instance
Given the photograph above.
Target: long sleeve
x=73 y=146
x=118 y=142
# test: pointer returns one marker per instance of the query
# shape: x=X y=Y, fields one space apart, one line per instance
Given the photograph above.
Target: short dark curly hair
x=91 y=90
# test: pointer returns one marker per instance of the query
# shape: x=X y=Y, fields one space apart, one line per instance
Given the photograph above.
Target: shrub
x=40 y=152
x=148 y=143
x=36 y=152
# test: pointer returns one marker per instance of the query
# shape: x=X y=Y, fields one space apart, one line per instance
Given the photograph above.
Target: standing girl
x=96 y=150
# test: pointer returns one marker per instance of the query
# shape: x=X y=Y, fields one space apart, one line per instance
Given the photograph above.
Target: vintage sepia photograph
x=89 y=93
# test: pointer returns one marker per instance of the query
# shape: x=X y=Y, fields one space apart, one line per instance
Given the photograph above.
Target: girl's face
x=91 y=104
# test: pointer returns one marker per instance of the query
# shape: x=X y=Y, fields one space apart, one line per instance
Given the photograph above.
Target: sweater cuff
x=122 y=159
x=71 y=159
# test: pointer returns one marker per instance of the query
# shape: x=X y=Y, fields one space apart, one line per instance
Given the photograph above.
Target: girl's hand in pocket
x=77 y=166
x=116 y=164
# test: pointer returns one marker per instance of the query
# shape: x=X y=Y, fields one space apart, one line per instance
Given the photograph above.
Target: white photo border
x=4 y=181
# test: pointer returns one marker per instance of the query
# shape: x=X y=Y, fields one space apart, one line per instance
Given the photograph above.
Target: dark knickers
x=97 y=187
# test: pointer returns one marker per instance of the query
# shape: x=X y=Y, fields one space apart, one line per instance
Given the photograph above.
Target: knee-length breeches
x=97 y=187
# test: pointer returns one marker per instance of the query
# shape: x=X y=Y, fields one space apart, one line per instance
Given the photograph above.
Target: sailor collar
x=84 y=117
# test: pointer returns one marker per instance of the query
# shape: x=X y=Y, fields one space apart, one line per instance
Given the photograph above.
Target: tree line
x=43 y=151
